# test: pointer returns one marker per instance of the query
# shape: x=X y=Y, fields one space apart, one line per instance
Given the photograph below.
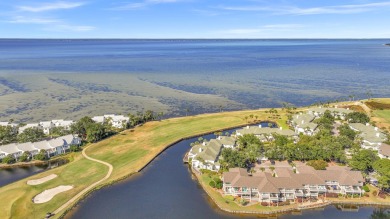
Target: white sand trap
x=47 y=195
x=41 y=180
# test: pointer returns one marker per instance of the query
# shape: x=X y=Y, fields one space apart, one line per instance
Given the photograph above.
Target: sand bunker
x=41 y=180
x=47 y=195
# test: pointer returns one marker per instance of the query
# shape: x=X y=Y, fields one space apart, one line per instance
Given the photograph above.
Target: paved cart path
x=110 y=168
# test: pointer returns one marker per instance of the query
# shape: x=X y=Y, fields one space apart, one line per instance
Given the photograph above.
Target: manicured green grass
x=385 y=114
x=16 y=198
x=128 y=152
x=131 y=150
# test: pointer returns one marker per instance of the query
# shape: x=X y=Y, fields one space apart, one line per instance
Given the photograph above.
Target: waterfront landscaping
x=128 y=152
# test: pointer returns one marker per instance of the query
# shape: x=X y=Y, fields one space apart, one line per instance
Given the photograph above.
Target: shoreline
x=33 y=163
x=287 y=210
x=232 y=117
x=98 y=187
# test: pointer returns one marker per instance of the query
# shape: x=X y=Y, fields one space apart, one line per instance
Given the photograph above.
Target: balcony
x=352 y=189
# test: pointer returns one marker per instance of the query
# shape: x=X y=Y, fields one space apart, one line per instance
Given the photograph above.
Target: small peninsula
x=136 y=146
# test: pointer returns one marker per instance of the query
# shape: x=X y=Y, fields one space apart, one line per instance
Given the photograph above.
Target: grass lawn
x=381 y=117
x=370 y=199
x=128 y=152
x=227 y=203
x=385 y=114
x=16 y=197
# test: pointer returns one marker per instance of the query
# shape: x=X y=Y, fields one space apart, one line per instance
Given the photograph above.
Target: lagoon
x=166 y=188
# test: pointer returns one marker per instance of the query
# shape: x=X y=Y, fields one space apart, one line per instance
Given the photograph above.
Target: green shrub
x=74 y=148
x=230 y=198
x=366 y=189
x=218 y=183
x=243 y=202
x=212 y=184
x=25 y=157
x=41 y=155
x=318 y=164
x=9 y=159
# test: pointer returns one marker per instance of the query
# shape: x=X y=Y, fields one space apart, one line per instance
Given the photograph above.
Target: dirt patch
x=374 y=105
x=356 y=108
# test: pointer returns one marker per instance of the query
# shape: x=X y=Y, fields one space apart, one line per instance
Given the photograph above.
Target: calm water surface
x=167 y=189
x=11 y=175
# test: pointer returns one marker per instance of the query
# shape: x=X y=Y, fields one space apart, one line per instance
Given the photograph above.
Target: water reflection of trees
x=380 y=213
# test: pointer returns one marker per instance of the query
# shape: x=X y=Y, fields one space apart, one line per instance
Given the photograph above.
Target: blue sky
x=194 y=19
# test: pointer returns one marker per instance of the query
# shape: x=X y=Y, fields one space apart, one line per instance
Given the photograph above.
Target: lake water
x=10 y=175
x=167 y=189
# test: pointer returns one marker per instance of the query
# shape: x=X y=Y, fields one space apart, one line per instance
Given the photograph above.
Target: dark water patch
x=167 y=189
x=188 y=88
x=13 y=174
x=13 y=85
x=85 y=86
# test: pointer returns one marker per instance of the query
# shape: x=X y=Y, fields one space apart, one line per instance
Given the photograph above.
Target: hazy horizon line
x=113 y=38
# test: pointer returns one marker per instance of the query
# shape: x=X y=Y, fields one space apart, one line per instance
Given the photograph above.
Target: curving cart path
x=70 y=201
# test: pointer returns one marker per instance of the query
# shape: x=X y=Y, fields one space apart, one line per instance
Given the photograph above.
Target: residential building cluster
x=372 y=138
x=117 y=121
x=206 y=155
x=265 y=134
x=52 y=147
x=287 y=183
x=47 y=126
x=303 y=122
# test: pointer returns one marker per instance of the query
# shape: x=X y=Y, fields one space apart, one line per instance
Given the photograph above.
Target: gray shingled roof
x=213 y=148
x=304 y=121
x=226 y=140
x=28 y=146
x=9 y=148
x=256 y=130
x=369 y=132
x=337 y=110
